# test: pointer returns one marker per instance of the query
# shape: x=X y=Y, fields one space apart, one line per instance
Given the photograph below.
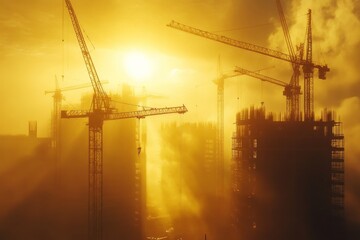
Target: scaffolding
x=287 y=176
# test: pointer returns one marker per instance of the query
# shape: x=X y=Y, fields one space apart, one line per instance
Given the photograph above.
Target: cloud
x=336 y=41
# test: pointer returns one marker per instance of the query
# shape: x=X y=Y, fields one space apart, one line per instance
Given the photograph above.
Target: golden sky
x=32 y=53
x=32 y=50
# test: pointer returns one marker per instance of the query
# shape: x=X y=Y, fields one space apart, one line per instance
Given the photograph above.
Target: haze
x=38 y=43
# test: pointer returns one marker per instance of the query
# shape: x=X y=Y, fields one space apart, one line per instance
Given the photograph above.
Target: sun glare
x=137 y=66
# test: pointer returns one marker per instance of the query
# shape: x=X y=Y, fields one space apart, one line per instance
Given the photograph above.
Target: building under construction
x=287 y=177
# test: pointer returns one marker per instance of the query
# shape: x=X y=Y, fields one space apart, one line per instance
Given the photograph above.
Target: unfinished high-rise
x=287 y=177
x=188 y=179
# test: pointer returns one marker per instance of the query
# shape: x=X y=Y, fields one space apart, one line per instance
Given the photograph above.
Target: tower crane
x=288 y=92
x=55 y=120
x=99 y=112
x=219 y=81
x=307 y=65
x=309 y=73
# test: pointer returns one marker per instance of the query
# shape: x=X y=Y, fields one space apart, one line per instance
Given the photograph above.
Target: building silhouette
x=287 y=177
x=188 y=180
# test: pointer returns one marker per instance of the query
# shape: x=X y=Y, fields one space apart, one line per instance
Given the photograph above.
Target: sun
x=137 y=66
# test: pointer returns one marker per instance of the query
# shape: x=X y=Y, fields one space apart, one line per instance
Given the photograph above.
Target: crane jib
x=229 y=41
x=244 y=45
x=123 y=115
x=103 y=101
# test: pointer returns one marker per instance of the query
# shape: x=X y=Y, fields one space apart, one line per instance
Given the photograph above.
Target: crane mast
x=55 y=120
x=55 y=125
x=220 y=130
x=220 y=137
x=220 y=82
x=308 y=74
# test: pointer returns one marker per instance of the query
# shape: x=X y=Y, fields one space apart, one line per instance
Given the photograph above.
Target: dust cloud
x=33 y=53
